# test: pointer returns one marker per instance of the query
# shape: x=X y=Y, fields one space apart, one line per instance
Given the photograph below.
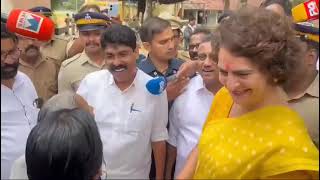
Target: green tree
x=296 y=2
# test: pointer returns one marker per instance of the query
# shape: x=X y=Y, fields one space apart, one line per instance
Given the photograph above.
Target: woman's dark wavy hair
x=265 y=38
x=66 y=144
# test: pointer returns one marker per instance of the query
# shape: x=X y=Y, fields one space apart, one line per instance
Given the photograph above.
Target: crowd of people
x=243 y=103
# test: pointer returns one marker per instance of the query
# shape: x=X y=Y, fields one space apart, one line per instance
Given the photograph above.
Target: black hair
x=207 y=34
x=152 y=26
x=120 y=35
x=66 y=144
x=64 y=100
x=225 y=15
x=285 y=4
x=5 y=34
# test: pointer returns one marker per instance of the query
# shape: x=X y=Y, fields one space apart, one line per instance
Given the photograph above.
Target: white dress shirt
x=186 y=118
x=18 y=116
x=128 y=122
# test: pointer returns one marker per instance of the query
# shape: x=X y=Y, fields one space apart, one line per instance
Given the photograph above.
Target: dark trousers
x=152 y=174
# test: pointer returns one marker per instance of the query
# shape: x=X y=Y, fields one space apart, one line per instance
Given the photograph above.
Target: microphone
x=306 y=11
x=158 y=84
x=31 y=25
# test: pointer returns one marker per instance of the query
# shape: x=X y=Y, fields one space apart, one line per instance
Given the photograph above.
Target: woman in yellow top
x=250 y=132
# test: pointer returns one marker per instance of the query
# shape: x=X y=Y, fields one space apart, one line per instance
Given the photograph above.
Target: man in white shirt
x=18 y=103
x=130 y=119
x=190 y=109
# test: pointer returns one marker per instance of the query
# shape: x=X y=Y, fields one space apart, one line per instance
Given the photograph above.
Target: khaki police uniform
x=44 y=75
x=307 y=103
x=56 y=49
x=73 y=70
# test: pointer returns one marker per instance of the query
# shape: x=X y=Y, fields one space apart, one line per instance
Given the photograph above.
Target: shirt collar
x=199 y=85
x=312 y=90
x=85 y=59
x=37 y=64
x=135 y=82
x=148 y=67
x=18 y=81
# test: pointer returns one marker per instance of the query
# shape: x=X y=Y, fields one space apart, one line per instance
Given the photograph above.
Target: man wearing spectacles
x=189 y=110
x=198 y=36
x=18 y=114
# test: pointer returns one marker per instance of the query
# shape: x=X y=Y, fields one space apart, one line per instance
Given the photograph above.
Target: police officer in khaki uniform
x=56 y=48
x=303 y=87
x=42 y=70
x=176 y=25
x=73 y=70
x=75 y=46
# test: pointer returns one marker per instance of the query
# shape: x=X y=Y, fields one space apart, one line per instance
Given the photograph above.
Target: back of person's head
x=265 y=38
x=225 y=15
x=90 y=8
x=66 y=144
x=151 y=27
x=285 y=4
x=206 y=34
x=64 y=100
x=119 y=35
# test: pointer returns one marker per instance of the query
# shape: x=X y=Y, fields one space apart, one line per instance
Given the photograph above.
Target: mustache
x=113 y=68
x=92 y=43
x=6 y=66
x=32 y=47
x=9 y=71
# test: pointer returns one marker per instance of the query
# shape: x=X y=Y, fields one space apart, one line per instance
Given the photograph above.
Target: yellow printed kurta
x=259 y=144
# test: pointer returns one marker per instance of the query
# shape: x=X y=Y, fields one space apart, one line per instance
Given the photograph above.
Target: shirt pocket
x=32 y=114
x=138 y=123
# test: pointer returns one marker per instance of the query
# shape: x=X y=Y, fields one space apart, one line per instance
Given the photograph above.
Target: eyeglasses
x=194 y=46
x=13 y=54
x=211 y=56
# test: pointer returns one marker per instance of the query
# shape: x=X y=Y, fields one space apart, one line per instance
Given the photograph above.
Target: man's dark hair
x=225 y=15
x=285 y=4
x=66 y=144
x=207 y=34
x=120 y=35
x=5 y=34
x=152 y=26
